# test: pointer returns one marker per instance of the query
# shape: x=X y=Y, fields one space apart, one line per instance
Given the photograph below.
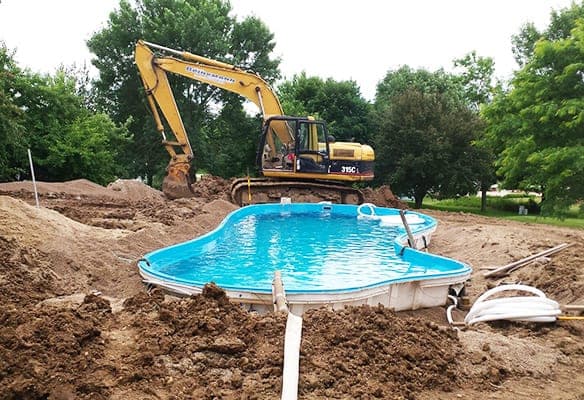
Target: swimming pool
x=327 y=254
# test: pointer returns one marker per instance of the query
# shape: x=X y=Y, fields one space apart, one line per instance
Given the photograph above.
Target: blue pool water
x=317 y=248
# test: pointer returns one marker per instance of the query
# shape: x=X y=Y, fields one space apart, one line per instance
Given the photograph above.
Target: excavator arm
x=153 y=72
x=295 y=154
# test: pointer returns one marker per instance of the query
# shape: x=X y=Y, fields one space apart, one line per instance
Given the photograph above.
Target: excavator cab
x=306 y=150
x=312 y=150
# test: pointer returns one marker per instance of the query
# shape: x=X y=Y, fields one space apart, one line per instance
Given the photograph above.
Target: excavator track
x=246 y=191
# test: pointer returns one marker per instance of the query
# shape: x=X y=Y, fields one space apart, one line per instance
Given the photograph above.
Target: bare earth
x=77 y=323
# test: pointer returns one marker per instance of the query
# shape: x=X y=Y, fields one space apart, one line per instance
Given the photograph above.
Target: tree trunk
x=483 y=197
x=418 y=199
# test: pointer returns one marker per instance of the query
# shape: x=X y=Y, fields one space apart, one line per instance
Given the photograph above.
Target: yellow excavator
x=296 y=155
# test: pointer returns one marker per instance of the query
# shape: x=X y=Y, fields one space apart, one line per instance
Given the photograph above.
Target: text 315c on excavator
x=296 y=155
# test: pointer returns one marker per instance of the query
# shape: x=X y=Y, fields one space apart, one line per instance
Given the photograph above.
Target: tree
x=12 y=142
x=88 y=149
x=296 y=95
x=233 y=153
x=424 y=135
x=479 y=85
x=561 y=24
x=524 y=42
x=405 y=78
x=477 y=79
x=50 y=105
x=538 y=124
x=48 y=115
x=202 y=27
x=340 y=104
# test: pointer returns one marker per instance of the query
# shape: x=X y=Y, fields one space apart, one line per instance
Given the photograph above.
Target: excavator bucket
x=177 y=182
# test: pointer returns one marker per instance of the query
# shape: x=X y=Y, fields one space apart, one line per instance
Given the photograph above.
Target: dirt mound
x=122 y=189
x=48 y=353
x=44 y=228
x=382 y=197
x=212 y=188
x=26 y=276
x=205 y=347
x=133 y=190
x=63 y=248
x=493 y=350
x=560 y=277
x=76 y=188
x=489 y=243
x=370 y=352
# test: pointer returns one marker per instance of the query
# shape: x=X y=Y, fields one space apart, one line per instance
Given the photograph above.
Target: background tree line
x=434 y=132
x=48 y=115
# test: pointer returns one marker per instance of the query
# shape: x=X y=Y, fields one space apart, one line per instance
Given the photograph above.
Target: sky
x=358 y=40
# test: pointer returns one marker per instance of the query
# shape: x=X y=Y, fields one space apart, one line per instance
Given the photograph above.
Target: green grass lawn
x=503 y=207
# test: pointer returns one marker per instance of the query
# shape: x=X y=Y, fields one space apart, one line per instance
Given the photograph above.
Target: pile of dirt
x=78 y=188
x=43 y=227
x=53 y=353
x=486 y=243
x=208 y=188
x=124 y=204
x=211 y=188
x=25 y=275
x=566 y=286
x=83 y=256
x=370 y=352
x=65 y=249
x=382 y=197
x=206 y=347
x=134 y=190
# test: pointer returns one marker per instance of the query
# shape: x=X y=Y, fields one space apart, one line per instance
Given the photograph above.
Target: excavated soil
x=77 y=323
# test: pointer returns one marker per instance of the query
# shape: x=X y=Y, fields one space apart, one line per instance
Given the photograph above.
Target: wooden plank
x=573 y=307
x=526 y=260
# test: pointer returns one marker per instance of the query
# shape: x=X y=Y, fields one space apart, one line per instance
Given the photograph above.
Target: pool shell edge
x=398 y=294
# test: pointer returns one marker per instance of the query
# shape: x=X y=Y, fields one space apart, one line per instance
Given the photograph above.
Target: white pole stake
x=36 y=195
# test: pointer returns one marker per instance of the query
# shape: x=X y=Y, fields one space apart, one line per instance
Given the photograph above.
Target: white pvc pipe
x=291 y=357
x=450 y=308
x=36 y=195
x=536 y=308
x=278 y=293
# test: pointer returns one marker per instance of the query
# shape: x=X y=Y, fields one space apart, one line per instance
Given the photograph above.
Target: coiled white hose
x=536 y=308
